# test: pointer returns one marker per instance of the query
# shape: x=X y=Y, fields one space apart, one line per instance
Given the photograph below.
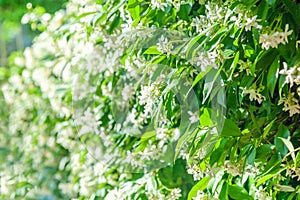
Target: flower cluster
x=292 y=74
x=164 y=45
x=254 y=94
x=274 y=39
x=290 y=103
x=101 y=94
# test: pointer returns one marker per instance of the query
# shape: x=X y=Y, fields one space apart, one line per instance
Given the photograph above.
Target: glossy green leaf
x=273 y=76
x=152 y=50
x=266 y=177
x=201 y=185
x=234 y=64
x=205 y=119
x=283 y=132
x=184 y=11
x=237 y=192
x=290 y=147
x=231 y=129
x=284 y=188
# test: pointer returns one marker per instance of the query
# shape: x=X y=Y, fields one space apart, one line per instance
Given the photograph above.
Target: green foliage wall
x=155 y=100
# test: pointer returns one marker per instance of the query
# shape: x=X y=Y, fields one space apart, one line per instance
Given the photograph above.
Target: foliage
x=155 y=100
x=13 y=35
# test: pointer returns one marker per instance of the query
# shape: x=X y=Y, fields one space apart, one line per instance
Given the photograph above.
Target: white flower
x=175 y=194
x=252 y=22
x=290 y=104
x=286 y=33
x=156 y=196
x=20 y=61
x=254 y=95
x=273 y=40
x=88 y=123
x=204 y=59
x=232 y=168
x=127 y=93
x=194 y=117
x=268 y=41
x=245 y=66
x=200 y=196
x=252 y=170
x=261 y=195
x=292 y=74
x=183 y=154
x=149 y=93
x=5 y=183
x=176 y=3
x=148 y=97
x=114 y=194
x=164 y=45
x=161 y=134
x=158 y=4
x=200 y=23
x=66 y=188
x=151 y=152
x=201 y=153
x=213 y=11
x=132 y=159
x=195 y=171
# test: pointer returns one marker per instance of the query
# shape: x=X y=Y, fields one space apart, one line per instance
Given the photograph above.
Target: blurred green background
x=13 y=35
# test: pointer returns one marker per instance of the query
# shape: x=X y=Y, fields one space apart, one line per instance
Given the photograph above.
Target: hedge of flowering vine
x=155 y=99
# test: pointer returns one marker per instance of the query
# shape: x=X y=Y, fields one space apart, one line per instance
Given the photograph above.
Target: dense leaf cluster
x=155 y=100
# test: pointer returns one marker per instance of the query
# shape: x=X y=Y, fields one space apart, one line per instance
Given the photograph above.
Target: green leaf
x=85 y=14
x=148 y=135
x=157 y=59
x=231 y=129
x=224 y=192
x=205 y=119
x=251 y=156
x=261 y=180
x=271 y=2
x=114 y=24
x=263 y=152
x=134 y=8
x=228 y=53
x=216 y=155
x=297 y=164
x=285 y=188
x=264 y=179
x=263 y=9
x=293 y=8
x=184 y=11
x=249 y=2
x=174 y=175
x=201 y=185
x=212 y=80
x=292 y=196
x=282 y=132
x=290 y=146
x=268 y=128
x=183 y=139
x=215 y=181
x=273 y=76
x=152 y=50
x=248 y=50
x=198 y=78
x=234 y=64
x=99 y=18
x=237 y=192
